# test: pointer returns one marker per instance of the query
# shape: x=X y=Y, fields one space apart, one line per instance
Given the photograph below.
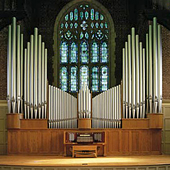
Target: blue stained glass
x=96 y=15
x=95 y=52
x=99 y=35
x=66 y=25
x=86 y=35
x=106 y=25
x=75 y=25
x=101 y=17
x=86 y=15
x=71 y=16
x=66 y=17
x=73 y=79
x=81 y=35
x=84 y=25
x=71 y=25
x=62 y=25
x=95 y=79
x=84 y=76
x=81 y=15
x=104 y=78
x=68 y=35
x=64 y=52
x=63 y=78
x=97 y=25
x=75 y=14
x=92 y=14
x=84 y=52
x=92 y=24
x=73 y=53
x=104 y=52
x=101 y=25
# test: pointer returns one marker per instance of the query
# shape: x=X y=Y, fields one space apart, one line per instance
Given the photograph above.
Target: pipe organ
x=140 y=96
x=62 y=109
x=107 y=109
x=120 y=110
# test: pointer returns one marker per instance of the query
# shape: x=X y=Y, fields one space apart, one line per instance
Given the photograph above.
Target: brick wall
x=166 y=62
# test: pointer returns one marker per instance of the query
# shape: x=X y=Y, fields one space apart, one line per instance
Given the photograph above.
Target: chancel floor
x=56 y=161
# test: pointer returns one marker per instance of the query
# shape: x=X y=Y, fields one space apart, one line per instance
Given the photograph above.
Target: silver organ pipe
x=22 y=72
x=159 y=70
x=146 y=95
x=141 y=80
x=124 y=80
x=137 y=74
x=9 y=59
x=61 y=116
x=147 y=73
x=150 y=69
x=109 y=116
x=25 y=84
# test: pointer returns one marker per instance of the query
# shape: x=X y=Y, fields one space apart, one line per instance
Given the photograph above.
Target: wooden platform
x=56 y=161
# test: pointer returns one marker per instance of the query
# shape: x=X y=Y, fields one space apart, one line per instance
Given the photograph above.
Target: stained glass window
x=84 y=76
x=63 y=78
x=73 y=79
x=95 y=79
x=84 y=56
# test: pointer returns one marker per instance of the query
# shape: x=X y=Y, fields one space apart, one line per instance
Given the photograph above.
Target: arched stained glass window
x=84 y=43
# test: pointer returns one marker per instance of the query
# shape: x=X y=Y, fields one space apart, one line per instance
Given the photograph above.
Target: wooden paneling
x=118 y=142
x=155 y=120
x=13 y=120
x=34 y=123
x=135 y=123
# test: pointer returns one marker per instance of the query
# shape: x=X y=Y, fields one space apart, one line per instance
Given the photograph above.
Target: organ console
x=83 y=122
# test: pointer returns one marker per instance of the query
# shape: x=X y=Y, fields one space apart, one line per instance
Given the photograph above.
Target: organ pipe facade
x=144 y=85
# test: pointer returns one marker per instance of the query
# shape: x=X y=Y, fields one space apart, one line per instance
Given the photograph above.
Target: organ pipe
x=9 y=59
x=155 y=58
x=137 y=74
x=22 y=72
x=143 y=83
x=147 y=73
x=133 y=72
x=150 y=68
x=159 y=70
x=129 y=75
x=13 y=90
x=126 y=79
x=141 y=80
x=124 y=82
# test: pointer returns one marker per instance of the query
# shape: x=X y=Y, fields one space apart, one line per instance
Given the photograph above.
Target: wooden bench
x=84 y=151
